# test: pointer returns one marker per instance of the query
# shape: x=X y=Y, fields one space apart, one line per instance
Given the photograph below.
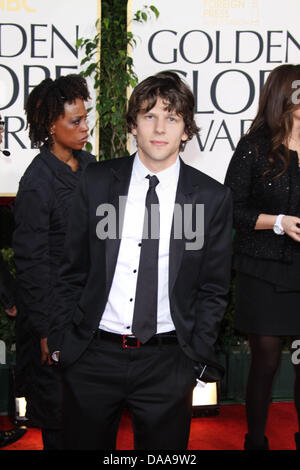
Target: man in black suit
x=144 y=282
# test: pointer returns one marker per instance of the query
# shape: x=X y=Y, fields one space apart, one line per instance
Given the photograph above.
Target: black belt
x=130 y=341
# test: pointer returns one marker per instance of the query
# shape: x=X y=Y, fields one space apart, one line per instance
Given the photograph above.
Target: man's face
x=159 y=133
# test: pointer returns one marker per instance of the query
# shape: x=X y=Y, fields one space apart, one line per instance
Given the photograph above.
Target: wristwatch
x=55 y=356
x=277 y=227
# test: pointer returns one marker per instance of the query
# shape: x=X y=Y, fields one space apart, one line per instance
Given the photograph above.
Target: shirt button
x=134 y=270
x=131 y=300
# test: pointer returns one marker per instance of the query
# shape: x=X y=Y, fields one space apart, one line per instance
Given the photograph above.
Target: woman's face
x=296 y=116
x=70 y=131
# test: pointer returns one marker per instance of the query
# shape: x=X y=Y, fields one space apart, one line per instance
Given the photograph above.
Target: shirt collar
x=166 y=177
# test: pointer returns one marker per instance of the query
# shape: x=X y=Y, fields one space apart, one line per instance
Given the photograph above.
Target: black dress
x=41 y=213
x=267 y=296
x=266 y=303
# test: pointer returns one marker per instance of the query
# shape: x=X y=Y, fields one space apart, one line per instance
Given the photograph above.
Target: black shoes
x=8 y=437
x=250 y=445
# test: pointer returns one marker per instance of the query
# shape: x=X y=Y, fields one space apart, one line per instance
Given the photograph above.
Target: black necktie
x=145 y=307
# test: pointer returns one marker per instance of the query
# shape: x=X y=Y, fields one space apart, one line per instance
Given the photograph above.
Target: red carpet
x=223 y=432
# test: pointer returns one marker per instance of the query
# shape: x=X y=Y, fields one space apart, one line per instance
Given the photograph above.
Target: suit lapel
x=184 y=195
x=119 y=184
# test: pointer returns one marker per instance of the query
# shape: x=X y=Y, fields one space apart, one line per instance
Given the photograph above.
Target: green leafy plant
x=143 y=15
x=113 y=74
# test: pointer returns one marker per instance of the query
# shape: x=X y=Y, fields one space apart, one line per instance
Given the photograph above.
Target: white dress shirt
x=118 y=313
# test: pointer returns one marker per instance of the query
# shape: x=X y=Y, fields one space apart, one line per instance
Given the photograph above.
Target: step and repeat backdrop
x=37 y=40
x=224 y=49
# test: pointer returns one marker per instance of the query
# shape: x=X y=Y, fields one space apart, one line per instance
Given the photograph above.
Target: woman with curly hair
x=264 y=176
x=57 y=121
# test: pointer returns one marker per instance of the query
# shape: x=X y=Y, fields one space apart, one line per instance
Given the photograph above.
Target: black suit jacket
x=198 y=279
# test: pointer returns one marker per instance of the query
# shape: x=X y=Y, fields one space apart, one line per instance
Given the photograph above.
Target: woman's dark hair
x=46 y=103
x=177 y=95
x=275 y=112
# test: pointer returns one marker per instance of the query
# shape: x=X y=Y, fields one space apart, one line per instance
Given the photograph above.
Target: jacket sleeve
x=215 y=282
x=31 y=248
x=74 y=268
x=239 y=180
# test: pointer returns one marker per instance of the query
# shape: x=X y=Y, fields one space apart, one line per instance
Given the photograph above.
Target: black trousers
x=39 y=384
x=155 y=382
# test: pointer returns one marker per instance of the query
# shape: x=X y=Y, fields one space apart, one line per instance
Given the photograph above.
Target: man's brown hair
x=173 y=91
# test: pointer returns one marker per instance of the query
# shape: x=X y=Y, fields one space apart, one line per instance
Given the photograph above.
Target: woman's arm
x=31 y=249
x=239 y=180
x=288 y=222
x=265 y=222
